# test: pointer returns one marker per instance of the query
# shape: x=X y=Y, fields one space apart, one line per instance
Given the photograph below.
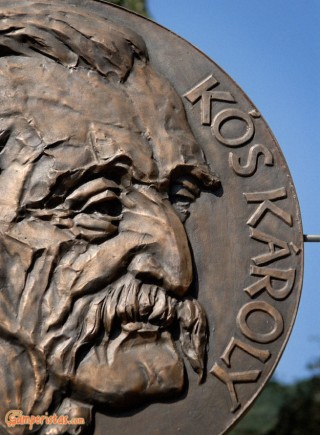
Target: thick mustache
x=135 y=302
x=138 y=306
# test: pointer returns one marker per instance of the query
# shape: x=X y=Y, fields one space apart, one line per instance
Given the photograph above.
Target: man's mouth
x=145 y=309
x=137 y=356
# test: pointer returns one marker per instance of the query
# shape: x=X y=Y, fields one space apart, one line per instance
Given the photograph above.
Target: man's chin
x=138 y=366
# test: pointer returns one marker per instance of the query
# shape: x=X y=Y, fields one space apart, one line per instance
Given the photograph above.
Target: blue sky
x=271 y=48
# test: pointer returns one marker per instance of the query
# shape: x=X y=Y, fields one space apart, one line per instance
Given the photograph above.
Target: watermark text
x=15 y=418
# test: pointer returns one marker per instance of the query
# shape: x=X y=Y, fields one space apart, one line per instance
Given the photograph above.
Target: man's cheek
x=88 y=267
x=38 y=234
x=28 y=250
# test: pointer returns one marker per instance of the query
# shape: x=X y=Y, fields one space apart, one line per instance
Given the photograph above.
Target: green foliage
x=138 y=6
x=264 y=415
x=284 y=410
x=314 y=366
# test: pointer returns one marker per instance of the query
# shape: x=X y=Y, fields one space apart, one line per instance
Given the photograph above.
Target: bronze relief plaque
x=151 y=241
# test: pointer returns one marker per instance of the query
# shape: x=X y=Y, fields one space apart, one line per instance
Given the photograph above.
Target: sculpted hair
x=71 y=38
x=80 y=40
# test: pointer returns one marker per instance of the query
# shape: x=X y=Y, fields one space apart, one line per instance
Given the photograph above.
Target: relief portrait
x=98 y=168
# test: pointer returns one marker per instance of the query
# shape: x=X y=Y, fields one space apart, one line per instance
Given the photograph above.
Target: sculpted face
x=97 y=175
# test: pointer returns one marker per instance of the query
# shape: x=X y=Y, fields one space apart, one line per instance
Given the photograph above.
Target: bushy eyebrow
x=75 y=183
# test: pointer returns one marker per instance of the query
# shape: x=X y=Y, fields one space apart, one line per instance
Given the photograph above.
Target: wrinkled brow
x=48 y=187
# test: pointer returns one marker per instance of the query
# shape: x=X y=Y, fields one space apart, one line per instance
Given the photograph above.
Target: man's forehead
x=87 y=121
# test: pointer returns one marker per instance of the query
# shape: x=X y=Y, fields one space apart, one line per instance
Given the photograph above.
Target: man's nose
x=163 y=254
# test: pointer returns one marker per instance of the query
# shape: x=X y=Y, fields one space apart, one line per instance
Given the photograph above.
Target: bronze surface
x=151 y=240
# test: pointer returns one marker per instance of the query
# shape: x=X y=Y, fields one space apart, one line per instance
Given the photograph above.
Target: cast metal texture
x=151 y=241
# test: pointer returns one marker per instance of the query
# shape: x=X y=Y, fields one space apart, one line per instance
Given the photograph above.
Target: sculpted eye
x=106 y=202
x=180 y=193
x=183 y=192
x=111 y=208
x=98 y=191
x=97 y=209
x=91 y=211
x=184 y=189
